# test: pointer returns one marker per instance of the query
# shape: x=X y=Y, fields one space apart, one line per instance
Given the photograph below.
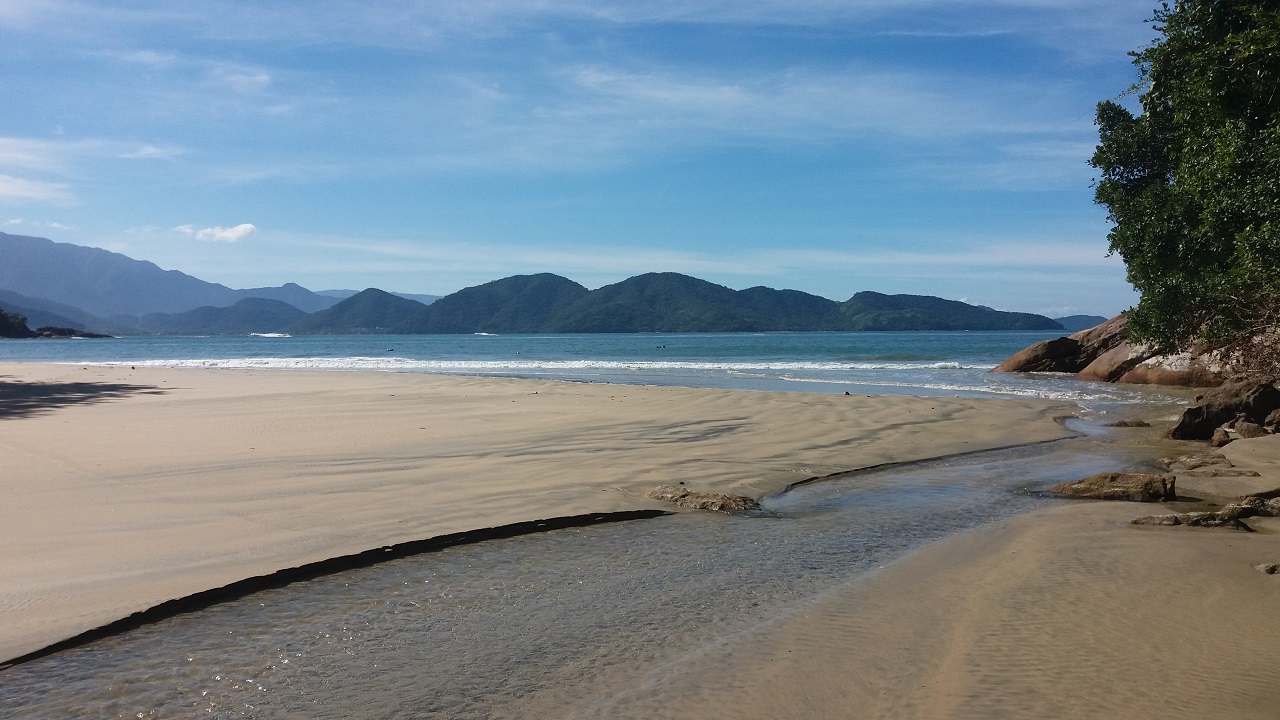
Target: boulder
x=1069 y=354
x=1193 y=369
x=1115 y=363
x=1272 y=421
x=685 y=497
x=1220 y=438
x=1247 y=430
x=1137 y=487
x=1254 y=398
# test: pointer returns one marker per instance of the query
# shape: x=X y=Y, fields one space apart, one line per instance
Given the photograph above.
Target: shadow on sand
x=24 y=399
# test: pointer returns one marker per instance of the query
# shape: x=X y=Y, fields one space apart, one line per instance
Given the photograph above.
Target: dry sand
x=1066 y=613
x=126 y=488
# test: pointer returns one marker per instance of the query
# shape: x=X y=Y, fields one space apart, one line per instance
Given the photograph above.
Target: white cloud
x=151 y=152
x=12 y=222
x=239 y=78
x=218 y=234
x=12 y=188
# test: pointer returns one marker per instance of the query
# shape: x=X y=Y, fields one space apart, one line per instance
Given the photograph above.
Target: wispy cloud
x=22 y=190
x=152 y=152
x=218 y=234
x=239 y=78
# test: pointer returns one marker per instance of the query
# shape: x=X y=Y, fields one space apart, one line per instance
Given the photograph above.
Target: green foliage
x=13 y=325
x=1192 y=184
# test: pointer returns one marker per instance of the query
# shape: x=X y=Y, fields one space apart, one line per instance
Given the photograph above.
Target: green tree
x=13 y=325
x=1192 y=184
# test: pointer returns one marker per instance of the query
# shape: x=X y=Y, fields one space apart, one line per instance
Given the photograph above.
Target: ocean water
x=911 y=363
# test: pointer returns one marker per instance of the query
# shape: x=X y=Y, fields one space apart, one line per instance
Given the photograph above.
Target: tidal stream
x=547 y=625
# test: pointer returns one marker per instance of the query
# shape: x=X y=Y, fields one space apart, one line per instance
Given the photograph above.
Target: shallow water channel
x=543 y=625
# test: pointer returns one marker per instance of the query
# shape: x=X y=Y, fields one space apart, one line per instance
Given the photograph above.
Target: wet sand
x=1070 y=612
x=127 y=488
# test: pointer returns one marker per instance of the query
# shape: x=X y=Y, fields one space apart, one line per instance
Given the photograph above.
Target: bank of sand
x=1070 y=612
x=125 y=488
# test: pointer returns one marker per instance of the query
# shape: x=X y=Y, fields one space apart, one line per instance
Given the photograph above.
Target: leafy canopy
x=1192 y=185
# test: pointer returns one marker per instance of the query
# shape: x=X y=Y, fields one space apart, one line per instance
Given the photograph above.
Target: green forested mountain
x=654 y=302
x=521 y=303
x=368 y=311
x=875 y=311
x=251 y=315
x=670 y=302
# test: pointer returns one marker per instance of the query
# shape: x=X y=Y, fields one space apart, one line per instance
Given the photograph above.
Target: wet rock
x=685 y=497
x=1137 y=487
x=1254 y=398
x=1219 y=472
x=1129 y=424
x=1220 y=438
x=1156 y=520
x=1191 y=462
x=1194 y=519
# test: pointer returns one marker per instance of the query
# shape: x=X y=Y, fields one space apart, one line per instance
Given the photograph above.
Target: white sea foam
x=405 y=364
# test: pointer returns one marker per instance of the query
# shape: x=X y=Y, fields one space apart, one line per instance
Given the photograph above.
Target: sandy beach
x=1066 y=613
x=127 y=488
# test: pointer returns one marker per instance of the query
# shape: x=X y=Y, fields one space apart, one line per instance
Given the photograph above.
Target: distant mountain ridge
x=107 y=284
x=344 y=294
x=544 y=302
x=1076 y=323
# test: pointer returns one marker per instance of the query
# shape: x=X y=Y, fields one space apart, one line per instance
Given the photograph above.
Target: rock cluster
x=1260 y=505
x=1240 y=407
x=685 y=497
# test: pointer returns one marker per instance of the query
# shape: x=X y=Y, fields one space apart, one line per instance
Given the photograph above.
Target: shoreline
x=152 y=491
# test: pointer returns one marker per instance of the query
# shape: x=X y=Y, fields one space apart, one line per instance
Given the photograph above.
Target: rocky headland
x=1232 y=407
x=1103 y=354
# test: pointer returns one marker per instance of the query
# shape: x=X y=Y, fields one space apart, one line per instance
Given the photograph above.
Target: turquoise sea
x=911 y=363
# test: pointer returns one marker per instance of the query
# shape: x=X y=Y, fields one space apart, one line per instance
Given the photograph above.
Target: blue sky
x=905 y=146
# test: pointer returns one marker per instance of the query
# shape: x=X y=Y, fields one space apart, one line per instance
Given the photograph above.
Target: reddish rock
x=1101 y=354
x=1115 y=363
x=1069 y=354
